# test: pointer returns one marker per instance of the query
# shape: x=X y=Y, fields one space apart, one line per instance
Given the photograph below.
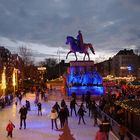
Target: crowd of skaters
x=60 y=111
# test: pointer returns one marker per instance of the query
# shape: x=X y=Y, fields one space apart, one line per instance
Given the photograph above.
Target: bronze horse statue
x=75 y=48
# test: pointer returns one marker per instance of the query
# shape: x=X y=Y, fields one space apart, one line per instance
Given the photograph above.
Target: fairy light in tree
x=3 y=80
x=14 y=78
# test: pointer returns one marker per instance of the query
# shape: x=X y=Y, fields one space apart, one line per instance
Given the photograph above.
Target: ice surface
x=39 y=127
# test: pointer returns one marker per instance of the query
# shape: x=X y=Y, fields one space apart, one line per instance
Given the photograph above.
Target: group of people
x=10 y=126
x=116 y=112
x=61 y=112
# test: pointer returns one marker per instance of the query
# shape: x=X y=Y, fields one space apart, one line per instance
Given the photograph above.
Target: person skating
x=54 y=116
x=83 y=98
x=62 y=116
x=93 y=108
x=23 y=116
x=9 y=129
x=73 y=106
x=28 y=105
x=20 y=98
x=89 y=107
x=95 y=116
x=81 y=112
x=39 y=105
x=56 y=107
x=63 y=103
x=67 y=113
x=16 y=100
x=87 y=99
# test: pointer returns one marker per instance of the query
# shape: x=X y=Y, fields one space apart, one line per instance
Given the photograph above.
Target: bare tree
x=137 y=50
x=28 y=68
x=49 y=62
x=52 y=68
x=26 y=55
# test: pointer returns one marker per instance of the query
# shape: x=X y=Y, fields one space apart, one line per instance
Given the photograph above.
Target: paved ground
x=39 y=127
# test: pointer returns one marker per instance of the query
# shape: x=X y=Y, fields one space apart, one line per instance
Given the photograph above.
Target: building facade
x=10 y=62
x=125 y=63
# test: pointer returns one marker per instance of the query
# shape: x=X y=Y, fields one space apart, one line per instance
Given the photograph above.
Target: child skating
x=9 y=129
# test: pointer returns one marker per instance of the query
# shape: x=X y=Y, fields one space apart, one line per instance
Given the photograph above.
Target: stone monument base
x=82 y=78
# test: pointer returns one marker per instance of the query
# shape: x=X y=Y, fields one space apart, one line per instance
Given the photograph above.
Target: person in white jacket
x=54 y=116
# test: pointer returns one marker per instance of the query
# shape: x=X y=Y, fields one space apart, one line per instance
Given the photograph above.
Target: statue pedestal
x=82 y=78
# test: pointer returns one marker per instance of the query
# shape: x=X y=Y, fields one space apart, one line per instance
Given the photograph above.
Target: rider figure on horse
x=80 y=42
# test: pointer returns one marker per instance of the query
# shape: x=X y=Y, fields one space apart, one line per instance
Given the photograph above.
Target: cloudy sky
x=42 y=25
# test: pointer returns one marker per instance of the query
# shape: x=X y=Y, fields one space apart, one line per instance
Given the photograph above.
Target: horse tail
x=91 y=48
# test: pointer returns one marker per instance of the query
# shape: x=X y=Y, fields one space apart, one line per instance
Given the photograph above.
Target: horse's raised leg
x=68 y=54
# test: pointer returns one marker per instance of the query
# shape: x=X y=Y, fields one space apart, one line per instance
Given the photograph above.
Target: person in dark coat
x=56 y=107
x=39 y=105
x=89 y=107
x=67 y=113
x=62 y=116
x=73 y=106
x=20 y=98
x=83 y=97
x=95 y=112
x=87 y=99
x=74 y=96
x=28 y=105
x=23 y=116
x=63 y=103
x=81 y=112
x=93 y=108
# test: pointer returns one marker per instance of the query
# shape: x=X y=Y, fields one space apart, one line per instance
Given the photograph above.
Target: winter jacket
x=23 y=112
x=10 y=127
x=100 y=136
x=53 y=114
x=81 y=111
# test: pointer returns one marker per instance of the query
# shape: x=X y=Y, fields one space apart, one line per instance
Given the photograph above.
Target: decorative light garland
x=127 y=106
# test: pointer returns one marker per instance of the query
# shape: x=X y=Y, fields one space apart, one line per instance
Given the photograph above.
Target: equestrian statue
x=78 y=45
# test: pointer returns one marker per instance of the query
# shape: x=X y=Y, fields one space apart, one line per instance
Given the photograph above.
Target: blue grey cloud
x=110 y=25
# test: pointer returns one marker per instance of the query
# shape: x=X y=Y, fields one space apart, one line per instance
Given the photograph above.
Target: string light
x=4 y=79
x=132 y=105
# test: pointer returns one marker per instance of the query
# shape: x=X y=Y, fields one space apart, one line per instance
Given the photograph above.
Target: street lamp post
x=41 y=70
x=58 y=52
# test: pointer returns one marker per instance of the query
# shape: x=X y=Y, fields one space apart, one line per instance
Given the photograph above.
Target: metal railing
x=114 y=124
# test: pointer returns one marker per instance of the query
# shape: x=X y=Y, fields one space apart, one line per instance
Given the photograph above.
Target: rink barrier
x=114 y=125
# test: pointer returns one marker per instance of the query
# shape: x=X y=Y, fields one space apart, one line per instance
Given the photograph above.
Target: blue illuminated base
x=82 y=78
x=94 y=90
